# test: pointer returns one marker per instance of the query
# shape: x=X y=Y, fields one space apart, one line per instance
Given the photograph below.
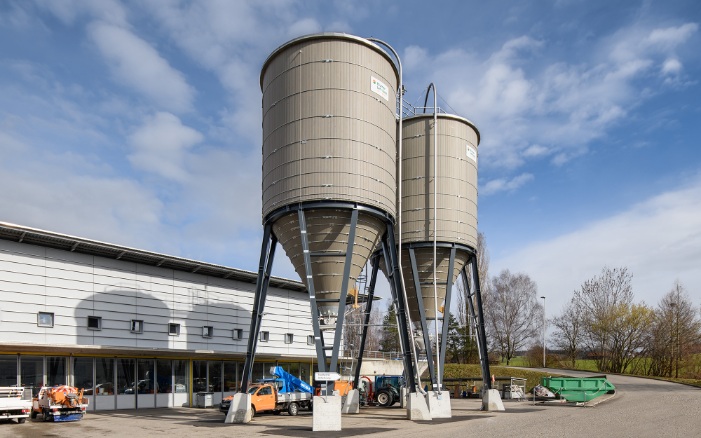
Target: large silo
x=329 y=137
x=329 y=174
x=452 y=221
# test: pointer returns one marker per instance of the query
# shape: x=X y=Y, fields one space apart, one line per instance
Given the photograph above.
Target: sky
x=139 y=124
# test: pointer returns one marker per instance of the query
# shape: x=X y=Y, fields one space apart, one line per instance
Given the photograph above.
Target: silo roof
x=447 y=116
x=327 y=36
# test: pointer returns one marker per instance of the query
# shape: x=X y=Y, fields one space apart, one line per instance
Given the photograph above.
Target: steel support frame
x=479 y=318
x=264 y=272
x=420 y=304
x=265 y=266
x=375 y=266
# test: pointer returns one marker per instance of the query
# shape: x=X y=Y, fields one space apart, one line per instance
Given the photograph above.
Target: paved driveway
x=641 y=408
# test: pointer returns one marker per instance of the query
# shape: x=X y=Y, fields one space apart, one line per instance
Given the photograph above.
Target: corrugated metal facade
x=456 y=212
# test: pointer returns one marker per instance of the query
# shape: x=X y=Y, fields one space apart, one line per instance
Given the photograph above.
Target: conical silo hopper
x=329 y=148
x=453 y=224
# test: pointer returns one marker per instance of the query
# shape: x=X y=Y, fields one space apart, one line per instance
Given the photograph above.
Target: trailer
x=12 y=406
x=59 y=403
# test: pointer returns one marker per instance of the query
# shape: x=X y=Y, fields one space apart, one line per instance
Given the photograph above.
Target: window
x=310 y=340
x=288 y=338
x=207 y=331
x=264 y=336
x=137 y=326
x=237 y=334
x=45 y=319
x=174 y=329
x=94 y=323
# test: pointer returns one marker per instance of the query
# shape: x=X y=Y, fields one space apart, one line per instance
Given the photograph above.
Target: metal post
x=422 y=316
x=543 y=297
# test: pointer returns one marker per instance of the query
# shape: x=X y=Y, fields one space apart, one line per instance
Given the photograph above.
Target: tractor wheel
x=293 y=409
x=33 y=414
x=253 y=411
x=384 y=398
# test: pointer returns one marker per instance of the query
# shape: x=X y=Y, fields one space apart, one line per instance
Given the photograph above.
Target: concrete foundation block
x=416 y=408
x=352 y=403
x=403 y=393
x=327 y=413
x=439 y=404
x=491 y=401
x=240 y=409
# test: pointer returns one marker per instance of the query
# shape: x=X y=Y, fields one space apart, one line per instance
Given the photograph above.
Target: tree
x=675 y=334
x=512 y=312
x=568 y=331
x=614 y=329
x=389 y=339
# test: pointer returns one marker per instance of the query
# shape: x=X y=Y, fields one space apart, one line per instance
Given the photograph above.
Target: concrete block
x=352 y=403
x=240 y=409
x=491 y=401
x=439 y=404
x=327 y=413
x=416 y=408
x=403 y=393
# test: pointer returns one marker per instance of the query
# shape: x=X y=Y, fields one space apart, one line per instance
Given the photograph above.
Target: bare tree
x=614 y=328
x=513 y=314
x=568 y=331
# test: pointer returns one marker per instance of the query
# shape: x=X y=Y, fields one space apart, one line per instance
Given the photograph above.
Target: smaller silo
x=453 y=224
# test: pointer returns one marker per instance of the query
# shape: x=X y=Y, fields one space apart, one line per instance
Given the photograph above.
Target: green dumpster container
x=578 y=389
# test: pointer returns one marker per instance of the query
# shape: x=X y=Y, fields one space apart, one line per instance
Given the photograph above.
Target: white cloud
x=138 y=65
x=671 y=66
x=520 y=96
x=659 y=240
x=304 y=26
x=160 y=146
x=68 y=11
x=505 y=185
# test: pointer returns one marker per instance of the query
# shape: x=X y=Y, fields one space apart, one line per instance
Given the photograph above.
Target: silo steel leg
x=318 y=337
x=265 y=266
x=375 y=262
x=390 y=251
x=481 y=333
x=344 y=291
x=446 y=313
x=472 y=321
x=422 y=316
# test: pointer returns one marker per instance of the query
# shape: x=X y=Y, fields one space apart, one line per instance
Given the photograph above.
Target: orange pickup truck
x=265 y=397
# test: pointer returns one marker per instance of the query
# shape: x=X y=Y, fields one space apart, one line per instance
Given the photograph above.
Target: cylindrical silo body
x=329 y=137
x=454 y=221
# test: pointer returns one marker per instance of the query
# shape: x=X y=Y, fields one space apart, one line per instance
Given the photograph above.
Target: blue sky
x=138 y=123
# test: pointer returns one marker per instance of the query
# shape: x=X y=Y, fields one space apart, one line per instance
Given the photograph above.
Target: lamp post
x=543 y=297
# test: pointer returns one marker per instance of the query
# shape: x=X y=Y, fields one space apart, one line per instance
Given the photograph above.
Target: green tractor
x=385 y=391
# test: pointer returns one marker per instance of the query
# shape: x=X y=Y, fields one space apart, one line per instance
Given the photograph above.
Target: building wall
x=74 y=286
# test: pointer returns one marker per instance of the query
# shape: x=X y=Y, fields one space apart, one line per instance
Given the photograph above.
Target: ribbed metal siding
x=456 y=215
x=326 y=134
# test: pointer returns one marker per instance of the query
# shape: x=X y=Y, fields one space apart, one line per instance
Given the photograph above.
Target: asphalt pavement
x=640 y=408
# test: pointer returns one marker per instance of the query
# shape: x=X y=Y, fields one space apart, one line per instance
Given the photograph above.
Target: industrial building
x=137 y=329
